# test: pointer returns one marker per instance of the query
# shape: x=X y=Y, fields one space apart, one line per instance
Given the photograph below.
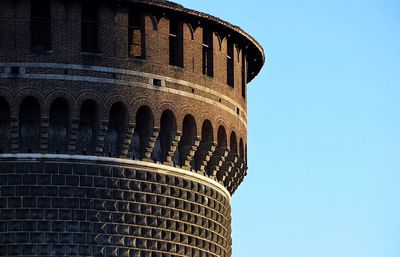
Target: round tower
x=123 y=128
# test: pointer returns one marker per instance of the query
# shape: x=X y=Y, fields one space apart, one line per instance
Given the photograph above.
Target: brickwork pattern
x=144 y=155
x=55 y=208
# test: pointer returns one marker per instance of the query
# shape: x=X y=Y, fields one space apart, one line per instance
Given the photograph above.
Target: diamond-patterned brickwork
x=69 y=209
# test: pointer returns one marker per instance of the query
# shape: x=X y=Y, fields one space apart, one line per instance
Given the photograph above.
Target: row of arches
x=136 y=139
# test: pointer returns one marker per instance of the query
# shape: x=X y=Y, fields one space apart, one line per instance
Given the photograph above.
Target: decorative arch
x=238 y=52
x=189 y=136
x=241 y=148
x=22 y=94
x=117 y=128
x=144 y=121
x=5 y=125
x=191 y=29
x=222 y=137
x=113 y=99
x=233 y=143
x=88 y=126
x=8 y=97
x=207 y=131
x=138 y=103
x=30 y=119
x=94 y=96
x=207 y=141
x=182 y=113
x=161 y=108
x=220 y=40
x=59 y=125
x=166 y=136
x=206 y=116
x=60 y=93
x=220 y=122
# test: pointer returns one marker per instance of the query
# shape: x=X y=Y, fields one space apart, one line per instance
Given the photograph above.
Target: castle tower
x=123 y=128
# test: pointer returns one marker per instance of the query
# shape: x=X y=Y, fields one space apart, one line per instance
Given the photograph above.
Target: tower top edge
x=254 y=48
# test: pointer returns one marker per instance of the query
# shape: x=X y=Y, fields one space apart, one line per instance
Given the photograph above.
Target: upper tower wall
x=108 y=67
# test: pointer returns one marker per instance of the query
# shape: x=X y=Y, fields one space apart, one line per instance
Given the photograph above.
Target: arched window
x=166 y=136
x=59 y=126
x=117 y=127
x=233 y=143
x=40 y=25
x=241 y=149
x=222 y=142
x=5 y=126
x=88 y=124
x=29 y=125
x=189 y=134
x=219 y=152
x=207 y=139
x=143 y=130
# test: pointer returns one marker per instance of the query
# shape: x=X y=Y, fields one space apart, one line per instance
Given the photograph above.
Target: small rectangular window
x=15 y=70
x=157 y=82
x=230 y=69
x=175 y=43
x=244 y=74
x=89 y=27
x=136 y=36
x=208 y=60
x=40 y=25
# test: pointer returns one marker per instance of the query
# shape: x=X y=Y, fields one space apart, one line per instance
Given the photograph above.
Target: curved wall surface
x=122 y=128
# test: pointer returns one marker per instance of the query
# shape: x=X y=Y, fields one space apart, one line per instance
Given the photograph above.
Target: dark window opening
x=166 y=136
x=40 y=25
x=29 y=125
x=207 y=140
x=208 y=56
x=136 y=35
x=175 y=43
x=117 y=127
x=219 y=151
x=15 y=70
x=143 y=131
x=188 y=138
x=88 y=124
x=157 y=82
x=233 y=143
x=230 y=69
x=5 y=126
x=244 y=74
x=241 y=149
x=89 y=27
x=245 y=153
x=222 y=142
x=59 y=126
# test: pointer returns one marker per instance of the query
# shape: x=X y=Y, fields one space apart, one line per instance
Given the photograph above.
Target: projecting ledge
x=146 y=166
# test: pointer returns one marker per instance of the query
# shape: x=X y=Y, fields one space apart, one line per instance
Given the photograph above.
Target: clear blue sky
x=324 y=128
